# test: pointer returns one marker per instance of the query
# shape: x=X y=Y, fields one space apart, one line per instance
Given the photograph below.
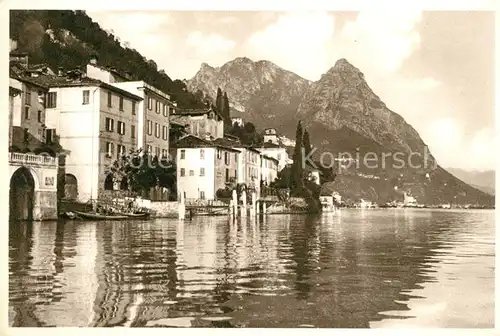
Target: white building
x=237 y=120
x=268 y=169
x=97 y=122
x=203 y=167
x=277 y=152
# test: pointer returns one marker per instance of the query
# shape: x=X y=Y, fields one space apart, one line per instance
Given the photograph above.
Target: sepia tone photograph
x=251 y=169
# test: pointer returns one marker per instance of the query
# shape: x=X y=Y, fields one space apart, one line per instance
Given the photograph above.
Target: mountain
x=482 y=180
x=67 y=39
x=258 y=91
x=344 y=117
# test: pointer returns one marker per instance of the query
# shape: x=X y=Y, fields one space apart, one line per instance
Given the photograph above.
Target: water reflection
x=347 y=269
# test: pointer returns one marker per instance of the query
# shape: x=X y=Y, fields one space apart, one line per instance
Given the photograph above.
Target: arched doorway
x=21 y=195
x=70 y=187
x=109 y=184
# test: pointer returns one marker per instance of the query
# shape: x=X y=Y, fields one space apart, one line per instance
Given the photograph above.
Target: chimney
x=93 y=59
x=60 y=71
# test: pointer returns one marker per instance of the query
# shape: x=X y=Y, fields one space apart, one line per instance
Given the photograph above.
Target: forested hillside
x=67 y=39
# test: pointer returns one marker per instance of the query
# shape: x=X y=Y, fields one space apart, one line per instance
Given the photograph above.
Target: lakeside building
x=238 y=121
x=203 y=123
x=268 y=169
x=249 y=163
x=32 y=177
x=203 y=166
x=277 y=152
x=153 y=111
x=97 y=122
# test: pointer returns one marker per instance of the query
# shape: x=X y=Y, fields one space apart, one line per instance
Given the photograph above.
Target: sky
x=435 y=69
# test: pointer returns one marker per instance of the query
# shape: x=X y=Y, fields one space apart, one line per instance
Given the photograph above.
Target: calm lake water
x=354 y=268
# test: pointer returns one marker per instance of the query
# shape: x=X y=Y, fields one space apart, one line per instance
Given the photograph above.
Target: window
x=149 y=149
x=164 y=153
x=202 y=154
x=27 y=98
x=110 y=96
x=133 y=107
x=191 y=172
x=157 y=130
x=157 y=109
x=85 y=97
x=121 y=127
x=150 y=127
x=110 y=149
x=132 y=131
x=150 y=103
x=219 y=155
x=40 y=116
x=202 y=171
x=183 y=172
x=227 y=175
x=183 y=154
x=165 y=110
x=41 y=98
x=226 y=158
x=110 y=125
x=164 y=133
x=121 y=103
x=52 y=100
x=26 y=112
x=202 y=195
x=157 y=151
x=120 y=151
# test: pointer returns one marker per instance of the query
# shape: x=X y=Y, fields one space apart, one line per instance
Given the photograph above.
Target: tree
x=218 y=101
x=249 y=127
x=297 y=169
x=143 y=171
x=225 y=111
x=307 y=143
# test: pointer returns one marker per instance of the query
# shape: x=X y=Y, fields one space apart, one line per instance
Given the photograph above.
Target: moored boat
x=98 y=216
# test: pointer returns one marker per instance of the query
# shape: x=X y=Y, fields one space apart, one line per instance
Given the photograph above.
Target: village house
x=273 y=148
x=203 y=167
x=97 y=122
x=200 y=122
x=153 y=110
x=268 y=169
x=32 y=172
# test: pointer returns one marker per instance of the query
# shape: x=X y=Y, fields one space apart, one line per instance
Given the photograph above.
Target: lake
x=368 y=268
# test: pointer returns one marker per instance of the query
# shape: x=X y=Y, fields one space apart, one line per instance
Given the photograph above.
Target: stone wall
x=165 y=209
x=47 y=205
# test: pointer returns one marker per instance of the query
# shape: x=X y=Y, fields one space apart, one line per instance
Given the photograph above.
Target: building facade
x=277 y=152
x=97 y=122
x=32 y=177
x=203 y=167
x=202 y=123
x=153 y=117
x=268 y=169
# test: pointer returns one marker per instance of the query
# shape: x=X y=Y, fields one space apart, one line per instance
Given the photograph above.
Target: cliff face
x=342 y=115
x=258 y=91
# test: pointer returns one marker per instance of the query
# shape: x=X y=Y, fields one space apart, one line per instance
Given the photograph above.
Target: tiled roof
x=270 y=158
x=64 y=81
x=191 y=141
x=270 y=145
x=194 y=112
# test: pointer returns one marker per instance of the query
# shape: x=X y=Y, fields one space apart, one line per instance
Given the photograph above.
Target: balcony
x=32 y=159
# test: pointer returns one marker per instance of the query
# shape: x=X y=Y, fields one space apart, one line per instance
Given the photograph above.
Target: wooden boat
x=70 y=215
x=97 y=216
x=134 y=215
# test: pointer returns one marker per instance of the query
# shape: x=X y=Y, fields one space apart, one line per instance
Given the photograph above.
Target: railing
x=32 y=159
